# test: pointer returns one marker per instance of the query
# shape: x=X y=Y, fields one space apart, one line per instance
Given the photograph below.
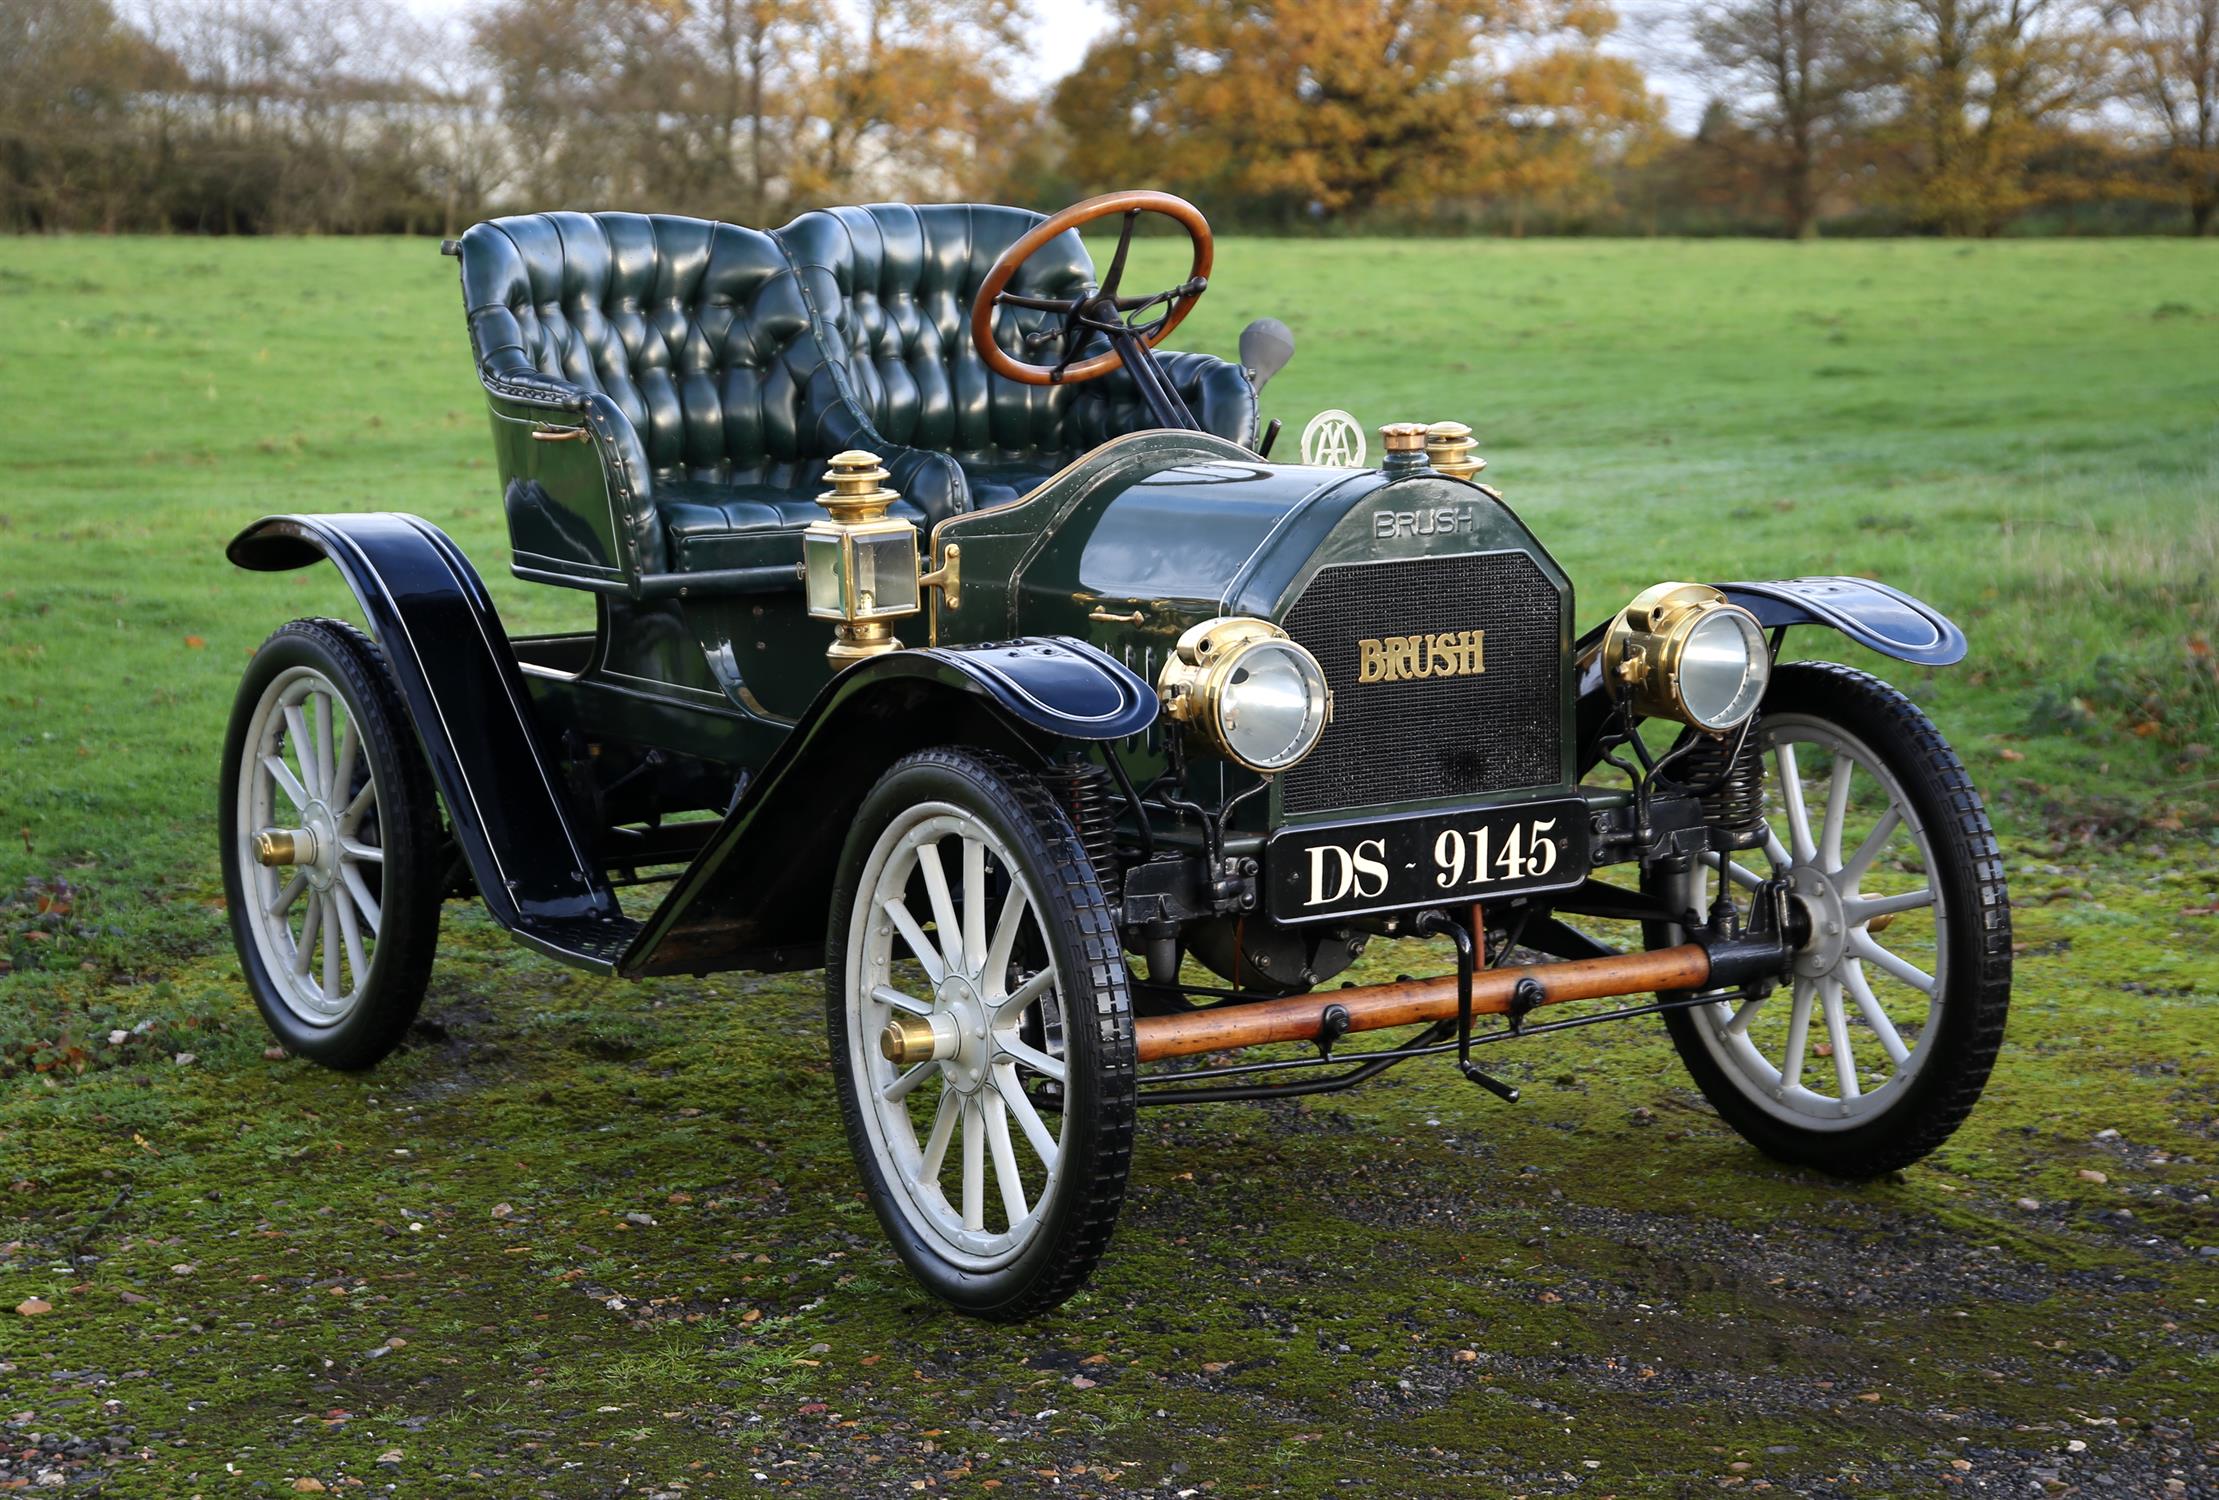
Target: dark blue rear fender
x=758 y=895
x=429 y=611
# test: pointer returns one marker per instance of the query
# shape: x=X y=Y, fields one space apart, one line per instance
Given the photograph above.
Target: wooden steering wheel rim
x=1001 y=362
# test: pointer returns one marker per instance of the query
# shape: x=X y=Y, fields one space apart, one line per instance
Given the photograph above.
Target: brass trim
x=1109 y=616
x=1448 y=448
x=278 y=848
x=1403 y=437
x=907 y=1040
x=561 y=434
x=948 y=577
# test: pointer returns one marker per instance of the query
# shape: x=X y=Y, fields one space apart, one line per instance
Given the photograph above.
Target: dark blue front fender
x=1873 y=615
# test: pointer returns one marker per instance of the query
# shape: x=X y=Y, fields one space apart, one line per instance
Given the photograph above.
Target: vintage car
x=954 y=638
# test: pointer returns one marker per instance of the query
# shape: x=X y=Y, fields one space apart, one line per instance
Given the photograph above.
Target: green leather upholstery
x=718 y=367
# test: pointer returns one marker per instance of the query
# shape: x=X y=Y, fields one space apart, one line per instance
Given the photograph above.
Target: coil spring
x=1082 y=787
x=1732 y=767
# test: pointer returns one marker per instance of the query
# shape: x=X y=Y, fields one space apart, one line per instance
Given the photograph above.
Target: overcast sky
x=1068 y=27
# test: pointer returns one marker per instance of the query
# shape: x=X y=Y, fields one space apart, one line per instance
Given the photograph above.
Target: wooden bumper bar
x=1411 y=1002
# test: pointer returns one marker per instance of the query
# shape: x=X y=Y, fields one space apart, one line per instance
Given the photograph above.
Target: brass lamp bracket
x=948 y=577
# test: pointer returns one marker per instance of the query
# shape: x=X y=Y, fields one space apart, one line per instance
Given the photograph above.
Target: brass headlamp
x=1682 y=651
x=860 y=564
x=1249 y=692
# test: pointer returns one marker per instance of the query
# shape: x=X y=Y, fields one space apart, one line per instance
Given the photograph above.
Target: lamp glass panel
x=820 y=558
x=885 y=575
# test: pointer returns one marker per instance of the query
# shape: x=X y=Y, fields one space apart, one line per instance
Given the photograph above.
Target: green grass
x=2026 y=434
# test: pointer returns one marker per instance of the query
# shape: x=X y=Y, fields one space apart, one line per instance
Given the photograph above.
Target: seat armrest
x=527 y=387
x=931 y=481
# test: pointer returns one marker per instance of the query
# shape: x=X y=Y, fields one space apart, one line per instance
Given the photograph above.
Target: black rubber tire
x=1100 y=1096
x=1976 y=989
x=408 y=822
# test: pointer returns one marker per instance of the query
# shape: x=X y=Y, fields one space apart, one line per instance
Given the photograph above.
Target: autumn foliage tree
x=1333 y=108
x=1985 y=88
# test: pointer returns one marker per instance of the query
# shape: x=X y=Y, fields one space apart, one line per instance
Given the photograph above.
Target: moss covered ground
x=582 y=1238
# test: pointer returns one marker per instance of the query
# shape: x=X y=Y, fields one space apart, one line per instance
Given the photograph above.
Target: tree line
x=1969 y=117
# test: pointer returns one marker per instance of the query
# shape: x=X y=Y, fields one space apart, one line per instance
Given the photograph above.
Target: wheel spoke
x=1799 y=1035
x=287 y=894
x=1791 y=793
x=1847 y=878
x=359 y=889
x=1028 y=1118
x=1837 y=1034
x=1868 y=1005
x=332 y=992
x=943 y=1126
x=943 y=905
x=1006 y=1011
x=901 y=1088
x=1032 y=1057
x=927 y=952
x=305 y=948
x=974 y=1167
x=326 y=711
x=355 y=849
x=351 y=934
x=1837 y=812
x=1862 y=911
x=1005 y=1157
x=974 y=899
x=1776 y=851
x=1868 y=948
x=1006 y=928
x=304 y=748
x=350 y=749
x=287 y=782
x=886 y=994
x=1744 y=1015
x=350 y=819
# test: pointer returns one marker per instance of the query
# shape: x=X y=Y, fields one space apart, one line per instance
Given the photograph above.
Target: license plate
x=1429 y=859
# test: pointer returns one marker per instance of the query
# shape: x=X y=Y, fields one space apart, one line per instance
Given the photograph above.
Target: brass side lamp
x=860 y=565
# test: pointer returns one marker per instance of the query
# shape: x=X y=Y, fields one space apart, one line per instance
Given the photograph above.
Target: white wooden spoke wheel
x=1881 y=1038
x=330 y=836
x=308 y=792
x=982 y=1032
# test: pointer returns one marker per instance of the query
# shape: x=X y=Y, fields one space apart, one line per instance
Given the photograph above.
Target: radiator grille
x=1433 y=737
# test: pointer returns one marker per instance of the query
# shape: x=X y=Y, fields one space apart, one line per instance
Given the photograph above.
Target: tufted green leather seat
x=718 y=367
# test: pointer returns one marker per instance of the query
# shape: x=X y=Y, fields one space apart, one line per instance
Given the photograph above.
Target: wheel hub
x=322 y=826
x=1821 y=901
x=972 y=1021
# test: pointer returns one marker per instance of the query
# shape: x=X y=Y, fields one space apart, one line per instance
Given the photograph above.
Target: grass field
x=583 y=1238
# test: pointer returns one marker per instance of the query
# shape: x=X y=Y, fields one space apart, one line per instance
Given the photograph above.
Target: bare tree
x=2170 y=67
x=1799 y=74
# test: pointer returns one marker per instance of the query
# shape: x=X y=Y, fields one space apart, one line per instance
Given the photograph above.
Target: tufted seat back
x=694 y=329
x=893 y=286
